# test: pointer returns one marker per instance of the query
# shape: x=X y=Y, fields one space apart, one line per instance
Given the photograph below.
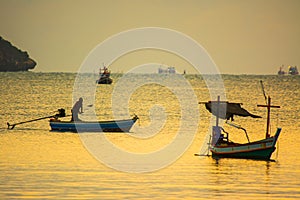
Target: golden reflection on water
x=142 y=101
x=36 y=163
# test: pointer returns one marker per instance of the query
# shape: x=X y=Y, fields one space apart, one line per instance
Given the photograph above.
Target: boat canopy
x=227 y=110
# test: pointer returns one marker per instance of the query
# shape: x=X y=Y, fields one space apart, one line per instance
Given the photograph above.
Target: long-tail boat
x=93 y=126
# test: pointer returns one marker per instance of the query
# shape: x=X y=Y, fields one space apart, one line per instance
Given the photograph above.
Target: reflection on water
x=36 y=163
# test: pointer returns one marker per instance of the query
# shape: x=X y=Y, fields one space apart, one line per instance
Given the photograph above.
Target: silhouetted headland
x=13 y=59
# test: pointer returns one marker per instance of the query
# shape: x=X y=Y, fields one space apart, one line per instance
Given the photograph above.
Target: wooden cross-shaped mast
x=269 y=106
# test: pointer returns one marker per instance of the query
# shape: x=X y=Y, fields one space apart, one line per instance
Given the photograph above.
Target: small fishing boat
x=293 y=70
x=104 y=76
x=90 y=126
x=281 y=71
x=220 y=145
x=169 y=70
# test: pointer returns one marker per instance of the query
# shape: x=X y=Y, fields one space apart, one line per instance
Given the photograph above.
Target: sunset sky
x=241 y=36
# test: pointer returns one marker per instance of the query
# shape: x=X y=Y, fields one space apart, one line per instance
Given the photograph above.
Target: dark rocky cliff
x=13 y=59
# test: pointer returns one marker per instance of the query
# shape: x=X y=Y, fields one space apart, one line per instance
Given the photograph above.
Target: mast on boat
x=268 y=106
x=220 y=109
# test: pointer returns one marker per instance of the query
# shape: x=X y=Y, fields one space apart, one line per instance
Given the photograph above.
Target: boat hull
x=259 y=150
x=105 y=81
x=85 y=126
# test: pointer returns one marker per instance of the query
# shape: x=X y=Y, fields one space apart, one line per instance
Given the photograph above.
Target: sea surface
x=36 y=163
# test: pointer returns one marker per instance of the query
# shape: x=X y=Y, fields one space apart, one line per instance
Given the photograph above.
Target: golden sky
x=241 y=36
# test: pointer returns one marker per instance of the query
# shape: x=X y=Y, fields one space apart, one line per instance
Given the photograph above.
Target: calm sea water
x=36 y=163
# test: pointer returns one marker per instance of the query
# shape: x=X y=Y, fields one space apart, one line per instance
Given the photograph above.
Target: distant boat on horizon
x=292 y=70
x=169 y=70
x=104 y=76
x=281 y=71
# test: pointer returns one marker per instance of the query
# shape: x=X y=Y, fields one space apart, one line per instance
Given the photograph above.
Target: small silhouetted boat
x=222 y=147
x=281 y=71
x=93 y=126
x=104 y=76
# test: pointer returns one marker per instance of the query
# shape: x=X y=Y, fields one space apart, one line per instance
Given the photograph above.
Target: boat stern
x=276 y=136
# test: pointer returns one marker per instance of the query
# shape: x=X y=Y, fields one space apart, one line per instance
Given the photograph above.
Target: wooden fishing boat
x=93 y=126
x=220 y=145
x=261 y=150
x=104 y=76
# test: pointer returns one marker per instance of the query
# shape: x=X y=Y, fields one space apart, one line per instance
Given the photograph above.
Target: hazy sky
x=241 y=36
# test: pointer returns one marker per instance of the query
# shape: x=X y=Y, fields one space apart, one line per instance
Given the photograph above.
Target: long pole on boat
x=218 y=110
x=217 y=116
x=268 y=117
x=12 y=126
x=61 y=113
x=263 y=90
